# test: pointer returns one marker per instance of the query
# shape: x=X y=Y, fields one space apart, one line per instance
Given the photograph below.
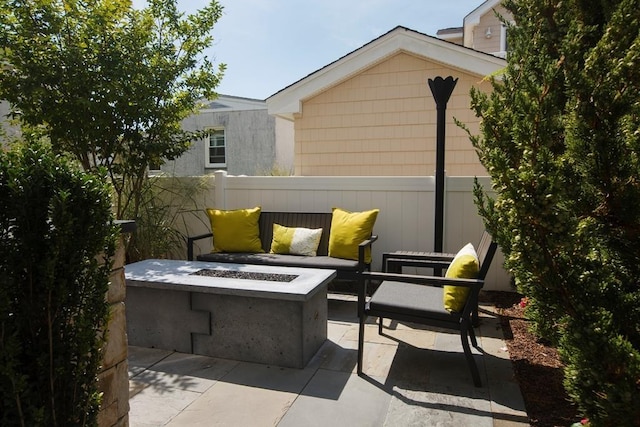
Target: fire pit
x=264 y=314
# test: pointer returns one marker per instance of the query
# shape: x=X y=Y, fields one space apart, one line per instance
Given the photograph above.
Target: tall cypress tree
x=560 y=137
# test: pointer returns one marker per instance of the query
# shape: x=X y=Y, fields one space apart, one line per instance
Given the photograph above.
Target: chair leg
x=475 y=317
x=472 y=336
x=380 y=319
x=464 y=327
x=361 y=344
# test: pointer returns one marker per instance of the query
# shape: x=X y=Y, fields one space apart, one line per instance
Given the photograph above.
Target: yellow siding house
x=371 y=112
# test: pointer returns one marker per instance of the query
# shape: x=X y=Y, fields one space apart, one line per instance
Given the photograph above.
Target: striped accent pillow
x=295 y=241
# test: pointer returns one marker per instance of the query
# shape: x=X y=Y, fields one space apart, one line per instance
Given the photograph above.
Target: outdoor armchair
x=419 y=299
x=392 y=262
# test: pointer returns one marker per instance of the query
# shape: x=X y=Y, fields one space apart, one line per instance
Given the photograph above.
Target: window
x=216 y=149
x=504 y=45
x=154 y=166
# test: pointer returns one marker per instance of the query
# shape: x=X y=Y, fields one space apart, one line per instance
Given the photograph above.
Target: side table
x=392 y=262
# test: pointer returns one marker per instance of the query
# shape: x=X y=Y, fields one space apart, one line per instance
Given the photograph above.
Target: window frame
x=503 y=38
x=208 y=147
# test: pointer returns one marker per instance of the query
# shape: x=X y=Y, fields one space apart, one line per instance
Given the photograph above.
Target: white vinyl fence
x=405 y=221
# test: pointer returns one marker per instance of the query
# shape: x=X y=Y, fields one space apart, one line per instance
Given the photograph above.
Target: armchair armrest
x=424 y=280
x=192 y=239
x=471 y=305
x=362 y=265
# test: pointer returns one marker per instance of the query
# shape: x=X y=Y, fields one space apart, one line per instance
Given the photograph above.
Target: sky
x=268 y=45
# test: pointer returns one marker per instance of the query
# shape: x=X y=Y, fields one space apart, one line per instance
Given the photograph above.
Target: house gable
x=483 y=31
x=382 y=121
x=287 y=103
x=473 y=18
x=453 y=35
x=233 y=103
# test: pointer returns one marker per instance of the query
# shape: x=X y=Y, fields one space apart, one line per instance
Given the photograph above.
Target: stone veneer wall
x=113 y=380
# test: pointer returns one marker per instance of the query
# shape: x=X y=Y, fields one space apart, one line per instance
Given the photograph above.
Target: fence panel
x=405 y=221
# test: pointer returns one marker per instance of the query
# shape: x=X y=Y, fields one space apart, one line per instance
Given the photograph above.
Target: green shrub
x=561 y=141
x=167 y=204
x=56 y=236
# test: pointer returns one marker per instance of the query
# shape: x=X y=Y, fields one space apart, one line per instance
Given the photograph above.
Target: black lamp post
x=441 y=90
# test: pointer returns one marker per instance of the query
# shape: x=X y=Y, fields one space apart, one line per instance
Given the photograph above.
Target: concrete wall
x=285 y=136
x=250 y=134
x=405 y=222
x=250 y=143
x=383 y=122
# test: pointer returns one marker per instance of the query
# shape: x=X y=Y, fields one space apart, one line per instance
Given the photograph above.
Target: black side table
x=392 y=262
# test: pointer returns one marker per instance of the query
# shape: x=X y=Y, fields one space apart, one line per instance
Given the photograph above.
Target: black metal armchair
x=419 y=299
x=392 y=262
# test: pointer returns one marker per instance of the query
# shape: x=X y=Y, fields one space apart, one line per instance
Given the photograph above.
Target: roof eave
x=288 y=102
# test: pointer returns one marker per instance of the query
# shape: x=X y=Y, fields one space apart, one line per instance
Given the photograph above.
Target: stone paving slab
x=155 y=407
x=413 y=377
x=338 y=399
x=249 y=395
x=440 y=406
x=142 y=358
x=186 y=371
x=506 y=399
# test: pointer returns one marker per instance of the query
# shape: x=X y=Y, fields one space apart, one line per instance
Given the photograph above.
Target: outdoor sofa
x=344 y=241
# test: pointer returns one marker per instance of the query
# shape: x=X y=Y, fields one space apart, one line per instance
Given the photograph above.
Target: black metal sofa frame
x=346 y=269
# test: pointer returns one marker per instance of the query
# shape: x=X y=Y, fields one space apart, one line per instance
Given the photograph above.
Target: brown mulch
x=537 y=366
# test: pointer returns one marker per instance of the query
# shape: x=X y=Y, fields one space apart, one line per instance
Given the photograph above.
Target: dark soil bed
x=536 y=365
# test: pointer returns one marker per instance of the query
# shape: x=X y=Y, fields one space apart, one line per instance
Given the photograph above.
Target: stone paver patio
x=414 y=377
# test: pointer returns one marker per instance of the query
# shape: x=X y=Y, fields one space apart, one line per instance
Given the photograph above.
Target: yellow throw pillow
x=465 y=265
x=348 y=230
x=235 y=230
x=295 y=241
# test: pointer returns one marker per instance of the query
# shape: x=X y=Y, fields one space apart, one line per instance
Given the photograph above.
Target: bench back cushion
x=295 y=219
x=348 y=230
x=235 y=230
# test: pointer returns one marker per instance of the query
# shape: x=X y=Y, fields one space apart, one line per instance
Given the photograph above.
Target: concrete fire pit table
x=264 y=314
